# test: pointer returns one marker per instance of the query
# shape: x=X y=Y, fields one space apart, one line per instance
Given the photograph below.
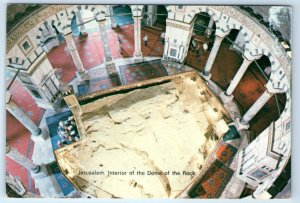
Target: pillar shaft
x=212 y=55
x=137 y=36
x=111 y=16
x=256 y=107
x=238 y=76
x=81 y=22
x=21 y=159
x=105 y=41
x=74 y=53
x=21 y=116
x=152 y=15
x=210 y=25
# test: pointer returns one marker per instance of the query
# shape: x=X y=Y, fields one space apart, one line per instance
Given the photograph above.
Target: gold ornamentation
x=31 y=21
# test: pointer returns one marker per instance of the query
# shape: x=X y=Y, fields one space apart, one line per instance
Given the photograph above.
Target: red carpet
x=91 y=51
x=226 y=153
x=142 y=71
x=212 y=183
x=97 y=84
x=18 y=136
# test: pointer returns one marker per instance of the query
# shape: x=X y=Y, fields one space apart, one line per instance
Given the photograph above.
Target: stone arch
x=231 y=26
x=99 y=12
x=259 y=52
x=278 y=78
x=278 y=85
x=24 y=64
x=15 y=61
x=52 y=23
x=205 y=10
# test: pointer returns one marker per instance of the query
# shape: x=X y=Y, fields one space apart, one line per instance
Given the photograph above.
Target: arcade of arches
x=105 y=50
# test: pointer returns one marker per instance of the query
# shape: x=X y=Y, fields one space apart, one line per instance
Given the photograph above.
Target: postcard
x=148 y=101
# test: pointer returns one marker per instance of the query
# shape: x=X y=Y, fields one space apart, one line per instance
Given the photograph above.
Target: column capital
x=101 y=21
x=137 y=18
x=219 y=38
x=136 y=10
x=222 y=34
x=66 y=89
x=247 y=60
x=68 y=37
x=247 y=54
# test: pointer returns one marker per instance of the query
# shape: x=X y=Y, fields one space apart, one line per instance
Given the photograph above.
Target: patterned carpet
x=91 y=51
x=213 y=182
x=142 y=71
x=226 y=153
x=97 y=84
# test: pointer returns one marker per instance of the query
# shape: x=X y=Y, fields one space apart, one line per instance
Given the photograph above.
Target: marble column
x=81 y=72
x=210 y=25
x=137 y=36
x=17 y=186
x=21 y=159
x=256 y=107
x=80 y=21
x=105 y=41
x=109 y=63
x=227 y=95
x=152 y=14
x=111 y=18
x=212 y=56
x=21 y=116
x=238 y=76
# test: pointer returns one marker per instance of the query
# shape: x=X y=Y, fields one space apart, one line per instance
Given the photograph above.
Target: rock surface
x=156 y=130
